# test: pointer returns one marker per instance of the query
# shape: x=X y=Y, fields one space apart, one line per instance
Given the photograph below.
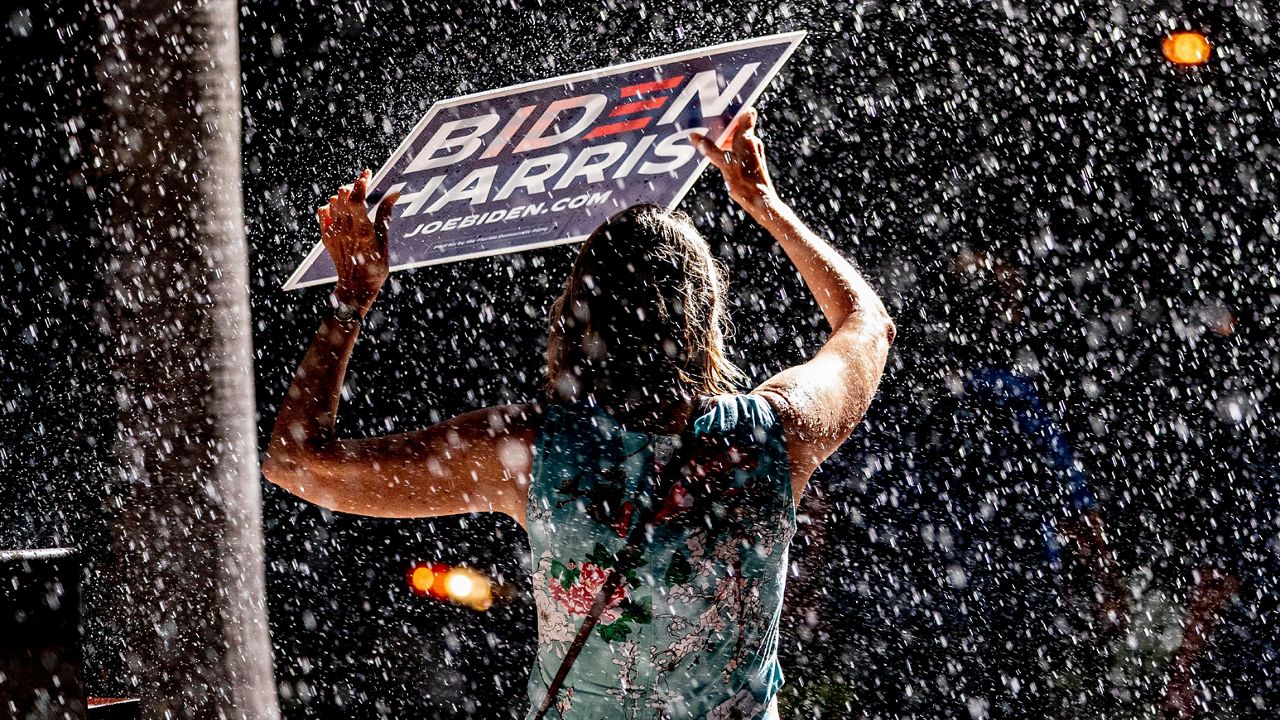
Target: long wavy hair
x=642 y=314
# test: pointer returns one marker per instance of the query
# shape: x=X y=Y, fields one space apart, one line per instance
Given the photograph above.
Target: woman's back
x=693 y=629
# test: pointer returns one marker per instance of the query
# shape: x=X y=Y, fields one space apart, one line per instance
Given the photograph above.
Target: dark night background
x=1138 y=198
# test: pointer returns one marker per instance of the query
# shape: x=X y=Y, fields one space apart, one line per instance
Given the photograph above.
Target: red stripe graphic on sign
x=618 y=127
x=639 y=106
x=649 y=87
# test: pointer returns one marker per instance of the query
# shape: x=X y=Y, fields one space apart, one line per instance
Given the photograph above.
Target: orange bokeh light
x=457 y=584
x=420 y=579
x=428 y=579
x=1187 y=48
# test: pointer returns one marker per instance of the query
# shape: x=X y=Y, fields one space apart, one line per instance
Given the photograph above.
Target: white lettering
x=641 y=148
x=466 y=143
x=583 y=165
x=508 y=131
x=474 y=188
x=591 y=106
x=675 y=146
x=711 y=100
x=415 y=200
x=533 y=182
x=577 y=201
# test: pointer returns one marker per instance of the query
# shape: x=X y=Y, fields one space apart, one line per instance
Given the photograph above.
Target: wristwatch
x=346 y=315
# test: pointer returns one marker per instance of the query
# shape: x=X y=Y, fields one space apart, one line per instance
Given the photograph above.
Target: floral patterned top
x=693 y=631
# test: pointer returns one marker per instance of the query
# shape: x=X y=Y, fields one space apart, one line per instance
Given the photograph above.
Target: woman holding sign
x=660 y=502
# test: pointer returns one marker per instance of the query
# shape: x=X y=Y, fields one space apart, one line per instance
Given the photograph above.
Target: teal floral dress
x=693 y=630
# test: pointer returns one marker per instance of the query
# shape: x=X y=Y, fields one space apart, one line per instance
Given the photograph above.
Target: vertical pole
x=185 y=525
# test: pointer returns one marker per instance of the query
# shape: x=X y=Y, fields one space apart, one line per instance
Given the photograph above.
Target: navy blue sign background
x=545 y=163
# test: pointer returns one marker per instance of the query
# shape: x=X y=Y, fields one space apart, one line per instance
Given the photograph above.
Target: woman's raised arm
x=821 y=401
x=476 y=462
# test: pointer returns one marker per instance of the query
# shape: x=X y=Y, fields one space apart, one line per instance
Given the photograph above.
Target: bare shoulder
x=517 y=420
x=491 y=450
x=798 y=432
x=820 y=402
x=501 y=435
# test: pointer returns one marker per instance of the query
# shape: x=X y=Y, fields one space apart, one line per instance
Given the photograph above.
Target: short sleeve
x=750 y=421
x=732 y=413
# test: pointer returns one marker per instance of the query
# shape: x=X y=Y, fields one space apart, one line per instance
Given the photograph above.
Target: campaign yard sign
x=546 y=162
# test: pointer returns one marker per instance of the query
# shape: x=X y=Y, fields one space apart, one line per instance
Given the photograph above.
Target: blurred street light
x=460 y=585
x=1187 y=48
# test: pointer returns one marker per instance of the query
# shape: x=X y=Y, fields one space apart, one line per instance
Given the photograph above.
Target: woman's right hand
x=357 y=244
x=742 y=165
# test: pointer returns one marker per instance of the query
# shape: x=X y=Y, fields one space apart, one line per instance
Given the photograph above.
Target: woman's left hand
x=742 y=165
x=357 y=245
